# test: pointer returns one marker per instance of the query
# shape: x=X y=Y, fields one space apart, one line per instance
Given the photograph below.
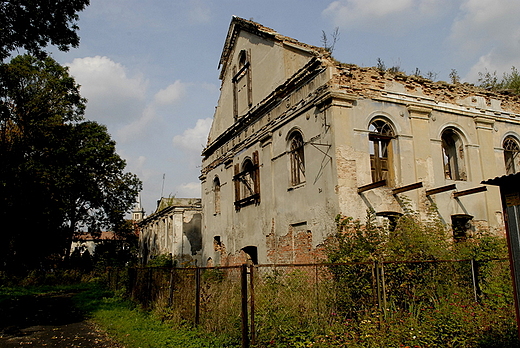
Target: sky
x=149 y=68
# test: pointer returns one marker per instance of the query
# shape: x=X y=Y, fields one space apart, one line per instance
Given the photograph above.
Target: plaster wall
x=332 y=105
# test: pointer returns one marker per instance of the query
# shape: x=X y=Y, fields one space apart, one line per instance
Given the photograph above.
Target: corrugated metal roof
x=504 y=180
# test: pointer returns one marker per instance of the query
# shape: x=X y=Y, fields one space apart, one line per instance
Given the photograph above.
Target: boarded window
x=247 y=182
x=453 y=156
x=511 y=157
x=297 y=158
x=216 y=195
x=380 y=136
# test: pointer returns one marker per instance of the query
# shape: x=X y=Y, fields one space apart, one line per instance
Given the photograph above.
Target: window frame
x=453 y=155
x=242 y=69
x=381 y=134
x=296 y=146
x=216 y=195
x=511 y=156
x=247 y=182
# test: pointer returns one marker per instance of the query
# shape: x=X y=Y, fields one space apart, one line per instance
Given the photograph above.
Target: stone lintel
x=484 y=123
x=417 y=111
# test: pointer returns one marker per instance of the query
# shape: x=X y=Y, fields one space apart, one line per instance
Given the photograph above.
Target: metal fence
x=259 y=303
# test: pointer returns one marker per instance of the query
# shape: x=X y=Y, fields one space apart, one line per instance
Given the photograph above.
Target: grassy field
x=135 y=328
x=120 y=318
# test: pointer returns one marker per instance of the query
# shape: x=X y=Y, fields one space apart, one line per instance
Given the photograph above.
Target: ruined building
x=298 y=138
x=174 y=229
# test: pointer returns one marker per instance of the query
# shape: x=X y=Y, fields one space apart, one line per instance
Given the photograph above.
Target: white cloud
x=488 y=31
x=137 y=128
x=112 y=95
x=170 y=94
x=484 y=22
x=383 y=15
x=189 y=190
x=194 y=139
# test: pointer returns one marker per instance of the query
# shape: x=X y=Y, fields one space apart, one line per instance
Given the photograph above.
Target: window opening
x=252 y=254
x=217 y=243
x=242 y=64
x=511 y=157
x=389 y=219
x=297 y=158
x=461 y=226
x=453 y=156
x=247 y=182
x=216 y=195
x=242 y=84
x=381 y=135
x=248 y=179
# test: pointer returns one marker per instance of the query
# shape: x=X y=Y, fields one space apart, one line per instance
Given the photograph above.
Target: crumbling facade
x=173 y=229
x=298 y=138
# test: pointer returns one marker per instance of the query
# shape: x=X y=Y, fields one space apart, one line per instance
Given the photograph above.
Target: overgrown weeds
x=404 y=284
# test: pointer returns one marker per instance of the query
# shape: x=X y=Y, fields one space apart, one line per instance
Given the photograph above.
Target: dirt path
x=48 y=321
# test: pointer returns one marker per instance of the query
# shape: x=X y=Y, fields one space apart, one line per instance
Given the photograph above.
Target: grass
x=7 y=292
x=120 y=318
x=135 y=328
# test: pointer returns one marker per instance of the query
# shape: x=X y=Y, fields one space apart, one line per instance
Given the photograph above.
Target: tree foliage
x=34 y=24
x=59 y=171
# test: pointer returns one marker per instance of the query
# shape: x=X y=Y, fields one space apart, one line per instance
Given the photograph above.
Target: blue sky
x=149 y=67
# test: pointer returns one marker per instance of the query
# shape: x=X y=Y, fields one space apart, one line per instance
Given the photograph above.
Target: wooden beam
x=470 y=191
x=407 y=188
x=434 y=191
x=371 y=186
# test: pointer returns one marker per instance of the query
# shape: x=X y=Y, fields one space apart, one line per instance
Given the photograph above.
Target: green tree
x=34 y=24
x=59 y=172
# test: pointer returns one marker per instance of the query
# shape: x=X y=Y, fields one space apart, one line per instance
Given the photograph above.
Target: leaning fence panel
x=291 y=305
x=220 y=300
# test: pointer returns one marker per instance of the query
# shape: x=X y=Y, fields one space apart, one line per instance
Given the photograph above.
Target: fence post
x=132 y=278
x=252 y=302
x=116 y=286
x=378 y=283
x=374 y=285
x=474 y=276
x=197 y=296
x=149 y=287
x=383 y=287
x=109 y=276
x=245 y=333
x=316 y=286
x=171 y=289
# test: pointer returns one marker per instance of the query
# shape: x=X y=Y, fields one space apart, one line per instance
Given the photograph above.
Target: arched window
x=511 y=155
x=453 y=156
x=297 y=158
x=380 y=136
x=248 y=179
x=242 y=59
x=216 y=194
x=242 y=93
x=247 y=182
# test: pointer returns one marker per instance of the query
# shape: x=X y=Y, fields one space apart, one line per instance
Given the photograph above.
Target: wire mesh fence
x=259 y=304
